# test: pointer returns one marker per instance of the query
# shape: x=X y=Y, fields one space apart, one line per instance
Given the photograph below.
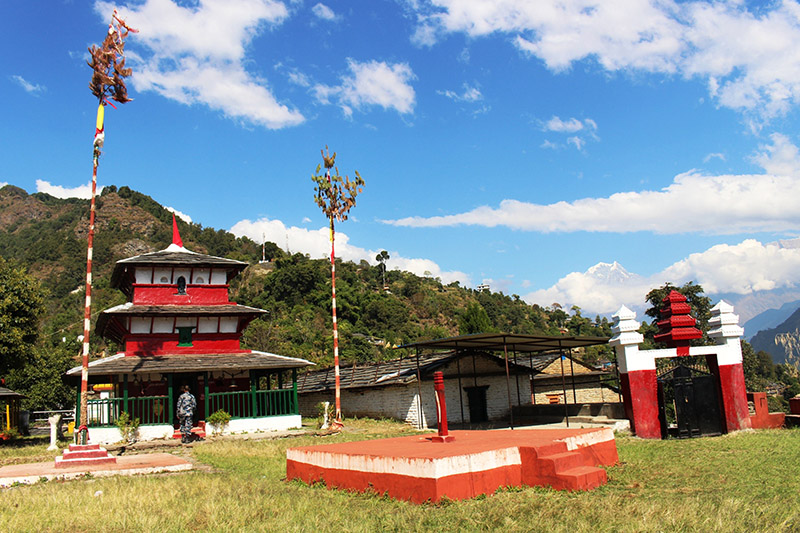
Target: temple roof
x=174 y=256
x=154 y=364
x=129 y=309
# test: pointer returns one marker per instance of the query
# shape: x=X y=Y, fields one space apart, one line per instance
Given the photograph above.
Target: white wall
x=401 y=401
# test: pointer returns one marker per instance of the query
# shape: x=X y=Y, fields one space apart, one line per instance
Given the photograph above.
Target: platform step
x=84 y=454
x=553 y=465
x=581 y=478
x=61 y=462
x=83 y=447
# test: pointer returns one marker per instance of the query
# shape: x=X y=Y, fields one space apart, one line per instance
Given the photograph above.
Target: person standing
x=186 y=406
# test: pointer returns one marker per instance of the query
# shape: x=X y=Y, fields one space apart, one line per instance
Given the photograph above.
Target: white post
x=325 y=407
x=55 y=424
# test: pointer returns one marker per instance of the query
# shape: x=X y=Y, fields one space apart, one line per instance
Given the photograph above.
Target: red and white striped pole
x=337 y=423
x=99 y=137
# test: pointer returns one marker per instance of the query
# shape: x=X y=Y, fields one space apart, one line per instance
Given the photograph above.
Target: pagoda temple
x=178 y=328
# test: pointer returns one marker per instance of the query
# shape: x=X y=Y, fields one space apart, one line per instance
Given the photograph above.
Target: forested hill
x=47 y=236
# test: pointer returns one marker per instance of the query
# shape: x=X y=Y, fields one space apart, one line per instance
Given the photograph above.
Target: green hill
x=47 y=236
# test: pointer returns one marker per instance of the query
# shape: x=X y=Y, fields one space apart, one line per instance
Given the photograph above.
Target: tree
x=382 y=258
x=700 y=304
x=21 y=306
x=474 y=319
x=335 y=196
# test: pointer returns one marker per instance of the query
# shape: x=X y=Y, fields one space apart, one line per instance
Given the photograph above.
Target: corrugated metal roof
x=383 y=373
x=509 y=341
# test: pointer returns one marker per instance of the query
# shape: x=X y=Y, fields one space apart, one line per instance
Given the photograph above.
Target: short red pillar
x=441 y=408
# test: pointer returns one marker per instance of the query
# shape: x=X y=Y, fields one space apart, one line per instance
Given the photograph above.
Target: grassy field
x=747 y=481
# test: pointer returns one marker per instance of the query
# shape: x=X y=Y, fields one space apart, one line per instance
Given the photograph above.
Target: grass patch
x=747 y=481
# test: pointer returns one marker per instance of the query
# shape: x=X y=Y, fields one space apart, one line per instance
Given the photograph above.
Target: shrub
x=128 y=427
x=219 y=419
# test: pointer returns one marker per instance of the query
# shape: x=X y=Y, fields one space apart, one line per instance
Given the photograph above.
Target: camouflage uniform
x=186 y=407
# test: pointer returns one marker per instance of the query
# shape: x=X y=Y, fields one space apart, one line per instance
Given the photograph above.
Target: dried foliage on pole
x=108 y=63
x=335 y=195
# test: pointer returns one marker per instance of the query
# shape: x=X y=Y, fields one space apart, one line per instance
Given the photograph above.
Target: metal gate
x=688 y=403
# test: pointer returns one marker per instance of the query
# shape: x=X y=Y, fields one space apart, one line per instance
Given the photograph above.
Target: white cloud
x=183 y=216
x=470 y=94
x=324 y=12
x=196 y=55
x=298 y=78
x=29 y=87
x=564 y=126
x=316 y=243
x=549 y=145
x=739 y=269
x=746 y=52
x=582 y=129
x=373 y=83
x=576 y=141
x=81 y=191
x=782 y=158
x=3 y=184
x=714 y=155
x=694 y=202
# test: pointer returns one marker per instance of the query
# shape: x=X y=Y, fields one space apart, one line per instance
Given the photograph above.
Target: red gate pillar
x=726 y=332
x=637 y=374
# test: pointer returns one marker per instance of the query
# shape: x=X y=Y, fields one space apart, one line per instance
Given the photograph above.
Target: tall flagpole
x=337 y=423
x=335 y=195
x=108 y=64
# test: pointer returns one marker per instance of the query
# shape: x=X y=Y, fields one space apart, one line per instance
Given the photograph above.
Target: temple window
x=185 y=335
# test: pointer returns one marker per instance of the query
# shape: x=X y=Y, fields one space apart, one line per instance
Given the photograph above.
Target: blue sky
x=511 y=142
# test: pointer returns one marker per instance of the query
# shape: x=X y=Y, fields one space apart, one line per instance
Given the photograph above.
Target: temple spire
x=176 y=236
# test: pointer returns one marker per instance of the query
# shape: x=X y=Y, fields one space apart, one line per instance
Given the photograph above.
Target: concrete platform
x=148 y=463
x=476 y=462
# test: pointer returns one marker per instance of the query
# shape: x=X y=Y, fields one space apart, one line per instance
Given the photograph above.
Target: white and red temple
x=179 y=327
x=637 y=368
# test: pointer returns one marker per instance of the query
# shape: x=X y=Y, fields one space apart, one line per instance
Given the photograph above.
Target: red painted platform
x=476 y=462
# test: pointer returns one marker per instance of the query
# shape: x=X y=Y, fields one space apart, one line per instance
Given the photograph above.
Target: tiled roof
x=144 y=364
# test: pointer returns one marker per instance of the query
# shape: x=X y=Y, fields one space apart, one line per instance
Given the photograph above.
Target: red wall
x=146 y=294
x=201 y=343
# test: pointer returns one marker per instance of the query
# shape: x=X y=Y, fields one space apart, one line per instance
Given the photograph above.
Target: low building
x=480 y=385
x=475 y=388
